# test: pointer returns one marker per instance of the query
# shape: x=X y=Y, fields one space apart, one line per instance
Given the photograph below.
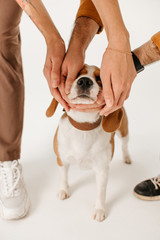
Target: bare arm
x=116 y=31
x=55 y=44
x=83 y=32
x=40 y=17
x=148 y=53
x=117 y=68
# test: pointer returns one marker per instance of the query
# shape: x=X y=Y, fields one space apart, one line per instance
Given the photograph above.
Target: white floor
x=128 y=217
x=50 y=218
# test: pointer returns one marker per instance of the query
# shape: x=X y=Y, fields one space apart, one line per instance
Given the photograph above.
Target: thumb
x=69 y=80
x=100 y=98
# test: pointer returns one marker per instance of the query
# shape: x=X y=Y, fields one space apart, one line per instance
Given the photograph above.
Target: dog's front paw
x=127 y=159
x=63 y=194
x=99 y=215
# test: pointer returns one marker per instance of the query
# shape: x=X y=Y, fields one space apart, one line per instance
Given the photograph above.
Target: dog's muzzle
x=84 y=91
x=84 y=83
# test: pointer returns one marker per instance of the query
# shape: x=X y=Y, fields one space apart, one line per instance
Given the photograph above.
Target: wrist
x=83 y=33
x=52 y=35
x=77 y=46
x=119 y=40
x=54 y=39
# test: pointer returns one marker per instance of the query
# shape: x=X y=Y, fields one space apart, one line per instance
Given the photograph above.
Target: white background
x=128 y=217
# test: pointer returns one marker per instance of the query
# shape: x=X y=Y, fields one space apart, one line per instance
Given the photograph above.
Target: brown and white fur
x=92 y=149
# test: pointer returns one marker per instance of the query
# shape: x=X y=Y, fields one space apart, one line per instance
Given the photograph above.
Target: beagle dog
x=86 y=138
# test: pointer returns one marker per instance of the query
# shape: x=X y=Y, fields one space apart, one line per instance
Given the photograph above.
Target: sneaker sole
x=8 y=214
x=146 y=198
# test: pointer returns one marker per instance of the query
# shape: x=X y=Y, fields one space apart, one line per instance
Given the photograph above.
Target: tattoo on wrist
x=24 y=3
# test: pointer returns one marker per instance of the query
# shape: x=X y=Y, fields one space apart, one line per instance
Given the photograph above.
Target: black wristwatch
x=139 y=67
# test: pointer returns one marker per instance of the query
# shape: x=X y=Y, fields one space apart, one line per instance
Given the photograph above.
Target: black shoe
x=148 y=189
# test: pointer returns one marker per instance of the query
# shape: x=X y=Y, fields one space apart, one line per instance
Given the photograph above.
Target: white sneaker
x=14 y=200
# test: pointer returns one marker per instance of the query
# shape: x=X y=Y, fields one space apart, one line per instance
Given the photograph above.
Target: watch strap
x=139 y=67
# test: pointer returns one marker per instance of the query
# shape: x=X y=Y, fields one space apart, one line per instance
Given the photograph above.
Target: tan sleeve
x=156 y=39
x=87 y=9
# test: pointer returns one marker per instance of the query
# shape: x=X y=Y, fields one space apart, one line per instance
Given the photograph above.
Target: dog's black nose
x=84 y=82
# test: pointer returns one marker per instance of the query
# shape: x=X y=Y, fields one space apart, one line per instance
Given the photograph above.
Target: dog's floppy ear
x=52 y=108
x=113 y=121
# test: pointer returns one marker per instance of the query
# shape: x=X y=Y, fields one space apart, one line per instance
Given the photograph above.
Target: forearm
x=147 y=53
x=110 y=14
x=87 y=9
x=39 y=15
x=83 y=33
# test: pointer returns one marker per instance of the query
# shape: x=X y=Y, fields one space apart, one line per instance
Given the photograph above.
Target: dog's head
x=86 y=86
x=84 y=90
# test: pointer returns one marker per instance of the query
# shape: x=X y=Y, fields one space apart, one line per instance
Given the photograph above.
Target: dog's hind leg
x=125 y=152
x=124 y=135
x=63 y=182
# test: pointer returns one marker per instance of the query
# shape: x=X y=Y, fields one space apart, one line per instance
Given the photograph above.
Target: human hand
x=117 y=74
x=52 y=68
x=97 y=106
x=72 y=64
x=84 y=30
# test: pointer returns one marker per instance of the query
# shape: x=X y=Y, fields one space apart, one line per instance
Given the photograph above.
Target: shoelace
x=156 y=182
x=10 y=177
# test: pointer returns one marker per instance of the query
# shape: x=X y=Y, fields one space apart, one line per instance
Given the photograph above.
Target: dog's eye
x=78 y=75
x=98 y=80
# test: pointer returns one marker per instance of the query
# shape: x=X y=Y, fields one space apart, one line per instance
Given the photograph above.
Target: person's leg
x=14 y=201
x=11 y=81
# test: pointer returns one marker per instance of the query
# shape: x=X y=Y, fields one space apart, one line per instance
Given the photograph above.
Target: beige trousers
x=11 y=81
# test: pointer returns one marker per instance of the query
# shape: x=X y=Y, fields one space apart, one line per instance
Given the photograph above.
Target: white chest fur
x=88 y=149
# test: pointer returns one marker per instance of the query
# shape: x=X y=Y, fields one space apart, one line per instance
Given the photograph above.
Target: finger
x=113 y=110
x=110 y=111
x=118 y=90
x=62 y=91
x=55 y=73
x=88 y=106
x=100 y=98
x=47 y=75
x=122 y=99
x=104 y=110
x=47 y=71
x=127 y=94
x=61 y=88
x=68 y=83
x=71 y=76
x=64 y=74
x=121 y=91
x=88 y=110
x=59 y=98
x=108 y=92
x=55 y=92
x=65 y=77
